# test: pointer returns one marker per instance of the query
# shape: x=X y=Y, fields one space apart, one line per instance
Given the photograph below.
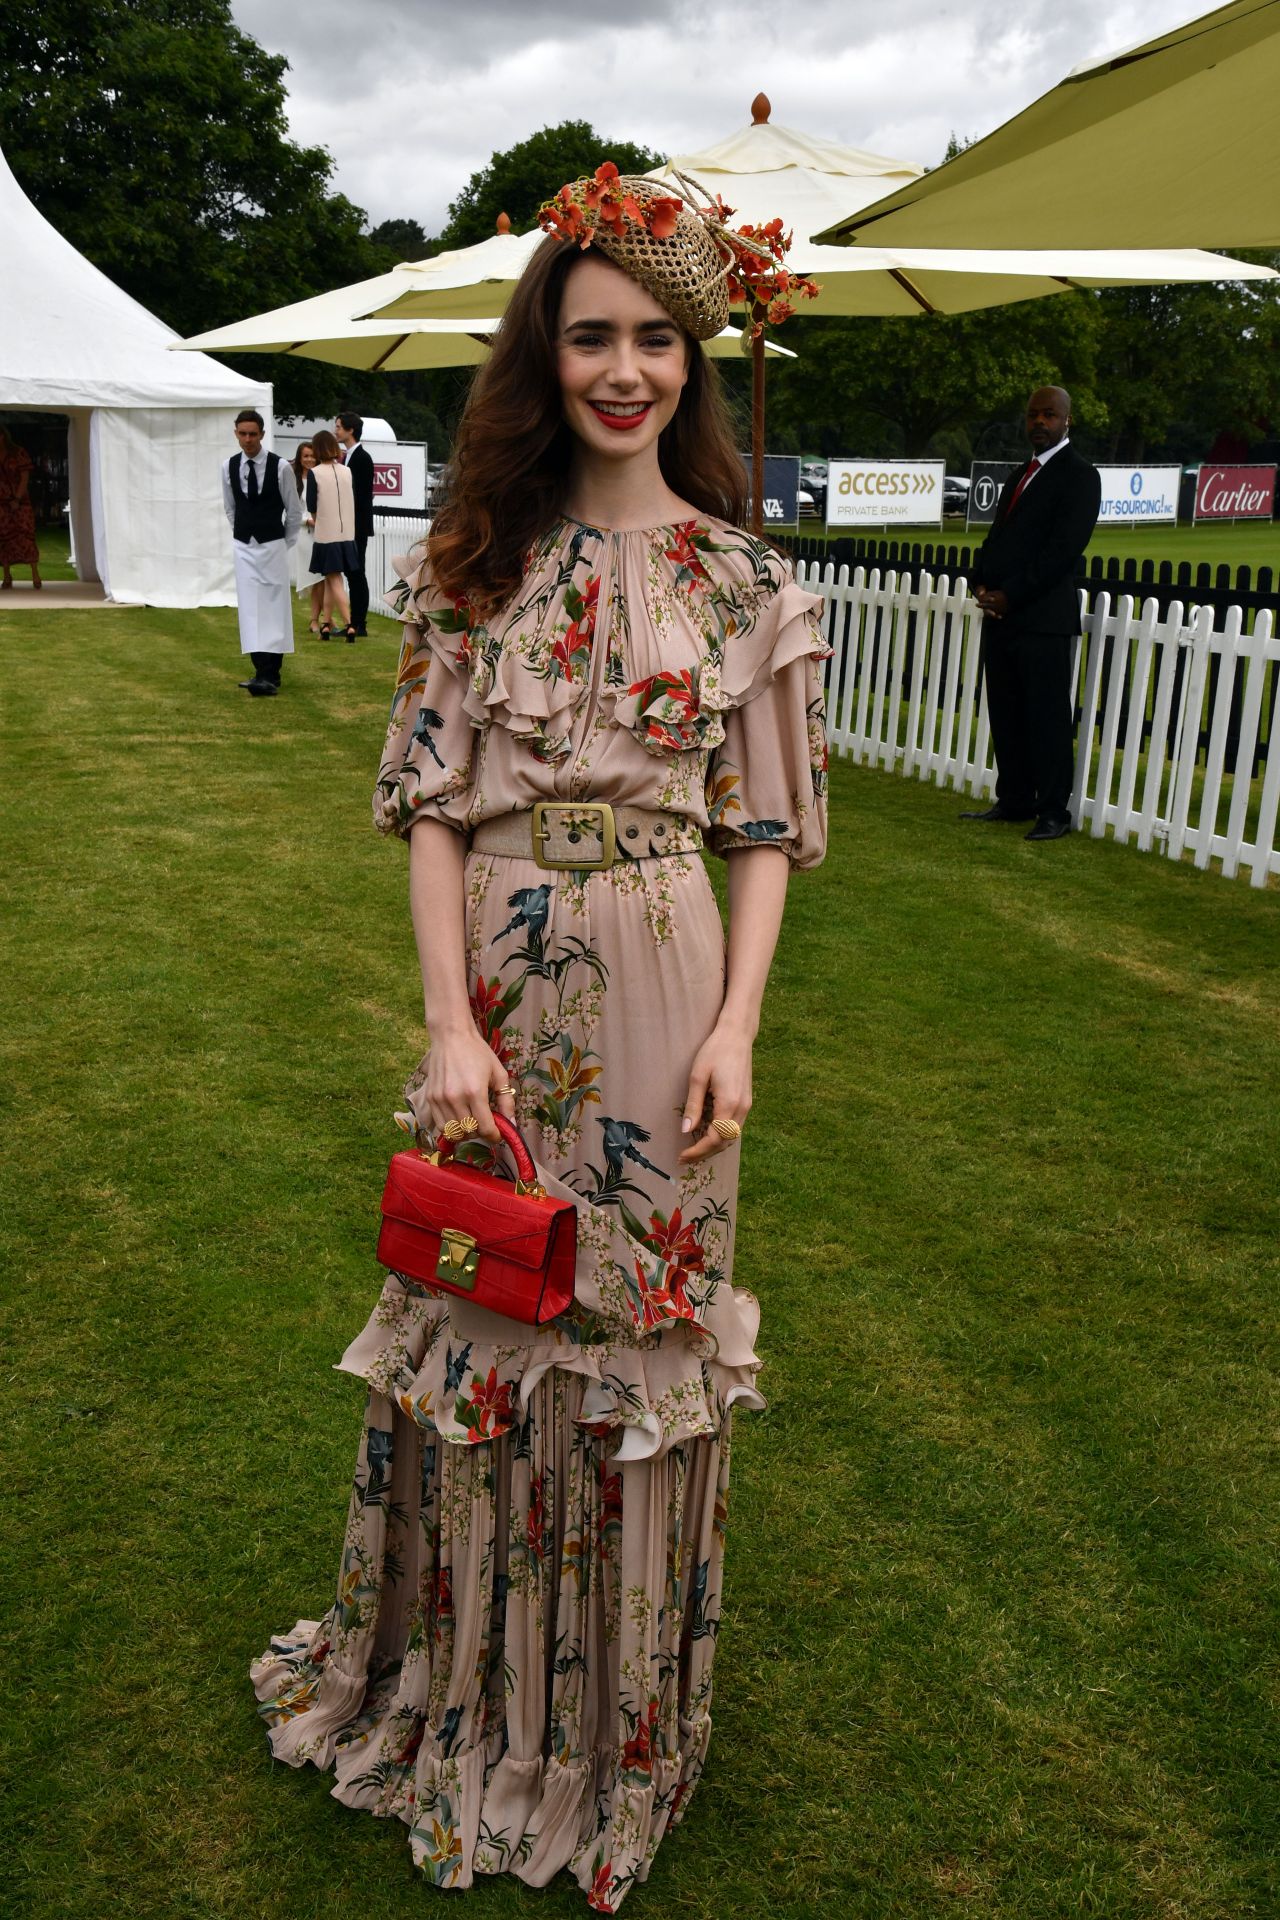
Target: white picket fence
x=391 y=540
x=1155 y=693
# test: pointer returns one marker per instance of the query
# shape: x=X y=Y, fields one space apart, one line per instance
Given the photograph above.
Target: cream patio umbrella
x=766 y=170
x=324 y=327
x=1172 y=143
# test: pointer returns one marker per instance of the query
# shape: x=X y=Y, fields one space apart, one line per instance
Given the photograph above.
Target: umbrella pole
x=757 y=426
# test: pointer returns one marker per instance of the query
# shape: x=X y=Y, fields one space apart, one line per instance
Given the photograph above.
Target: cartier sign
x=1235 y=493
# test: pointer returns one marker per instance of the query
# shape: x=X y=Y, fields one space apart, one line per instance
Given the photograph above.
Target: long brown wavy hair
x=512 y=453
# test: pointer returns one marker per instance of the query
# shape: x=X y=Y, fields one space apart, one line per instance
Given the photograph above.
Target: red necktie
x=1034 y=468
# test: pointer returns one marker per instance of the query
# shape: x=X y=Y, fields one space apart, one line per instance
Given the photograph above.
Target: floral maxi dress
x=518 y=1660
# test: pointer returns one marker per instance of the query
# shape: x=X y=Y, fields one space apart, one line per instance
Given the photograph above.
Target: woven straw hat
x=685 y=273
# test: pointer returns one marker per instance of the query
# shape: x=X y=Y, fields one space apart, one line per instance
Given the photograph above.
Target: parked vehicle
x=955 y=493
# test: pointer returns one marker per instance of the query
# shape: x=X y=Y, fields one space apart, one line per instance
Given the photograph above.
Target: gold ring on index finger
x=727 y=1129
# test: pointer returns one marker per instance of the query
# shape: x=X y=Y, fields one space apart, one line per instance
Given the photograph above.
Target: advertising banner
x=388 y=479
x=986 y=477
x=1139 y=493
x=877 y=493
x=1235 y=493
x=781 y=488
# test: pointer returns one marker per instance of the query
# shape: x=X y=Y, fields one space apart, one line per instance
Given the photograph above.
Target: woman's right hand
x=465 y=1076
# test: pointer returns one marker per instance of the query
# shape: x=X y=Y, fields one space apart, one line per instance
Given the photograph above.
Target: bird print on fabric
x=379 y=1457
x=611 y=1182
x=532 y=906
x=428 y=720
x=455 y=1366
x=620 y=1138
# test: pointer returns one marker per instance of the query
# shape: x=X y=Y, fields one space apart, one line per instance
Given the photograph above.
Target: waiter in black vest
x=359 y=464
x=1024 y=581
x=261 y=500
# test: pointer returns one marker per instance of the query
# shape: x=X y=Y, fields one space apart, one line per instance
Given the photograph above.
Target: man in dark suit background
x=1023 y=578
x=359 y=464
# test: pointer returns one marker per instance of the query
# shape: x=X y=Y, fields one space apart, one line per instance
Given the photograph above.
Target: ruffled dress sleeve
x=428 y=762
x=767 y=779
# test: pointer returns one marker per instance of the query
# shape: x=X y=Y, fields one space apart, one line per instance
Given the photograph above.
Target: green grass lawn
x=1001 y=1626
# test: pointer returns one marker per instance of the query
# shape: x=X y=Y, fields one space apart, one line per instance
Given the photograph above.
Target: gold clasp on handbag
x=587 y=834
x=458 y=1259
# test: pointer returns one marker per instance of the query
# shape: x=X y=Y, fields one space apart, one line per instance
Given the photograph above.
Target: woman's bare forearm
x=757 y=894
x=437 y=856
x=721 y=1070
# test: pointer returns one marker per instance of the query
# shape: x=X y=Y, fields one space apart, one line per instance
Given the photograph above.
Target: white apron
x=264 y=596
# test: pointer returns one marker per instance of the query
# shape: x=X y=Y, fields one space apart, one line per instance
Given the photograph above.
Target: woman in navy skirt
x=332 y=503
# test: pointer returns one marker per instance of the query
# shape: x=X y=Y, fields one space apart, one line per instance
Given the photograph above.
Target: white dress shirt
x=1043 y=459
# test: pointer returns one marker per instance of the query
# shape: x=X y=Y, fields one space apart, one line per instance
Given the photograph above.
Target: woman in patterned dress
x=518 y=1662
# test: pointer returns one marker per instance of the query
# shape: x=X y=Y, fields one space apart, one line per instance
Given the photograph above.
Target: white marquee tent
x=147 y=427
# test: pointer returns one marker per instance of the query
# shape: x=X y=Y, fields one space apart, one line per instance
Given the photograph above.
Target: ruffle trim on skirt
x=478 y=1810
x=468 y=1375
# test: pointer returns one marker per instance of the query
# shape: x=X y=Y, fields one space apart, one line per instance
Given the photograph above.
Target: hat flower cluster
x=710 y=265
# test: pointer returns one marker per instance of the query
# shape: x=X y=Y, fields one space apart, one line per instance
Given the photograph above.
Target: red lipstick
x=621 y=422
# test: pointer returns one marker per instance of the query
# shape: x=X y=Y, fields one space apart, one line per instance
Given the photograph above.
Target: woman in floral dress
x=518 y=1661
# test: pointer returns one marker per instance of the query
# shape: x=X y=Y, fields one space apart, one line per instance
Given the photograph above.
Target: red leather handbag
x=507 y=1247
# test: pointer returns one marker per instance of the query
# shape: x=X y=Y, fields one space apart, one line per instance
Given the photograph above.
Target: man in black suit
x=359 y=464
x=1024 y=582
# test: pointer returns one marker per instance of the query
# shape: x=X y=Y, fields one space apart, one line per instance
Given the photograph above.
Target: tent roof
x=69 y=337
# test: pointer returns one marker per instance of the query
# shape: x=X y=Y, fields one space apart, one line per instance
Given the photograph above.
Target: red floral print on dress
x=571 y=654
x=669 y=709
x=489 y=1404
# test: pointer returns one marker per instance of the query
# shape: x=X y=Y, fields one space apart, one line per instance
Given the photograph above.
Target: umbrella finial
x=760 y=110
x=504 y=223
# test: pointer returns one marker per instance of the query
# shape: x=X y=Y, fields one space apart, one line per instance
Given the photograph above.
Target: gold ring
x=500 y=1093
x=461 y=1129
x=727 y=1129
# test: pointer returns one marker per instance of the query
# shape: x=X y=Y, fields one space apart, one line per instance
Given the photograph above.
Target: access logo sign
x=878 y=493
x=1235 y=493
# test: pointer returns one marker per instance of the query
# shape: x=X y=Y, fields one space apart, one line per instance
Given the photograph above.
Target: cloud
x=413 y=98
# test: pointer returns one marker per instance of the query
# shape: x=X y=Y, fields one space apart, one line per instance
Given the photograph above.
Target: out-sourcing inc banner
x=877 y=493
x=1139 y=493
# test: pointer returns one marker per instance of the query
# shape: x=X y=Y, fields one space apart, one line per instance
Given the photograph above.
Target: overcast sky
x=412 y=96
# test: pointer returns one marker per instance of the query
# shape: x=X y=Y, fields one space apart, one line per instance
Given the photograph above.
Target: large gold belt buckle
x=577 y=836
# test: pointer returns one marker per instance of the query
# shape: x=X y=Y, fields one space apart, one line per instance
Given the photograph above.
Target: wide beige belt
x=586 y=836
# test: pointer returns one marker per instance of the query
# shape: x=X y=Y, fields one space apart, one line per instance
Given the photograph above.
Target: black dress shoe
x=1050 y=827
x=362 y=633
x=260 y=687
x=997 y=813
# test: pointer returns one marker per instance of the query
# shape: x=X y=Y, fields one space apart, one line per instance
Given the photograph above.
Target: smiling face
x=622 y=361
x=306 y=456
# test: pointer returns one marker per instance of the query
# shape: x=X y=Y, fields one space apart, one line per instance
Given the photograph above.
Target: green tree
x=517 y=181
x=152 y=134
x=398 y=240
x=930 y=384
x=1180 y=364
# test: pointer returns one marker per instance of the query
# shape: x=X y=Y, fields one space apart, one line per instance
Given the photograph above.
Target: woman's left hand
x=719 y=1089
